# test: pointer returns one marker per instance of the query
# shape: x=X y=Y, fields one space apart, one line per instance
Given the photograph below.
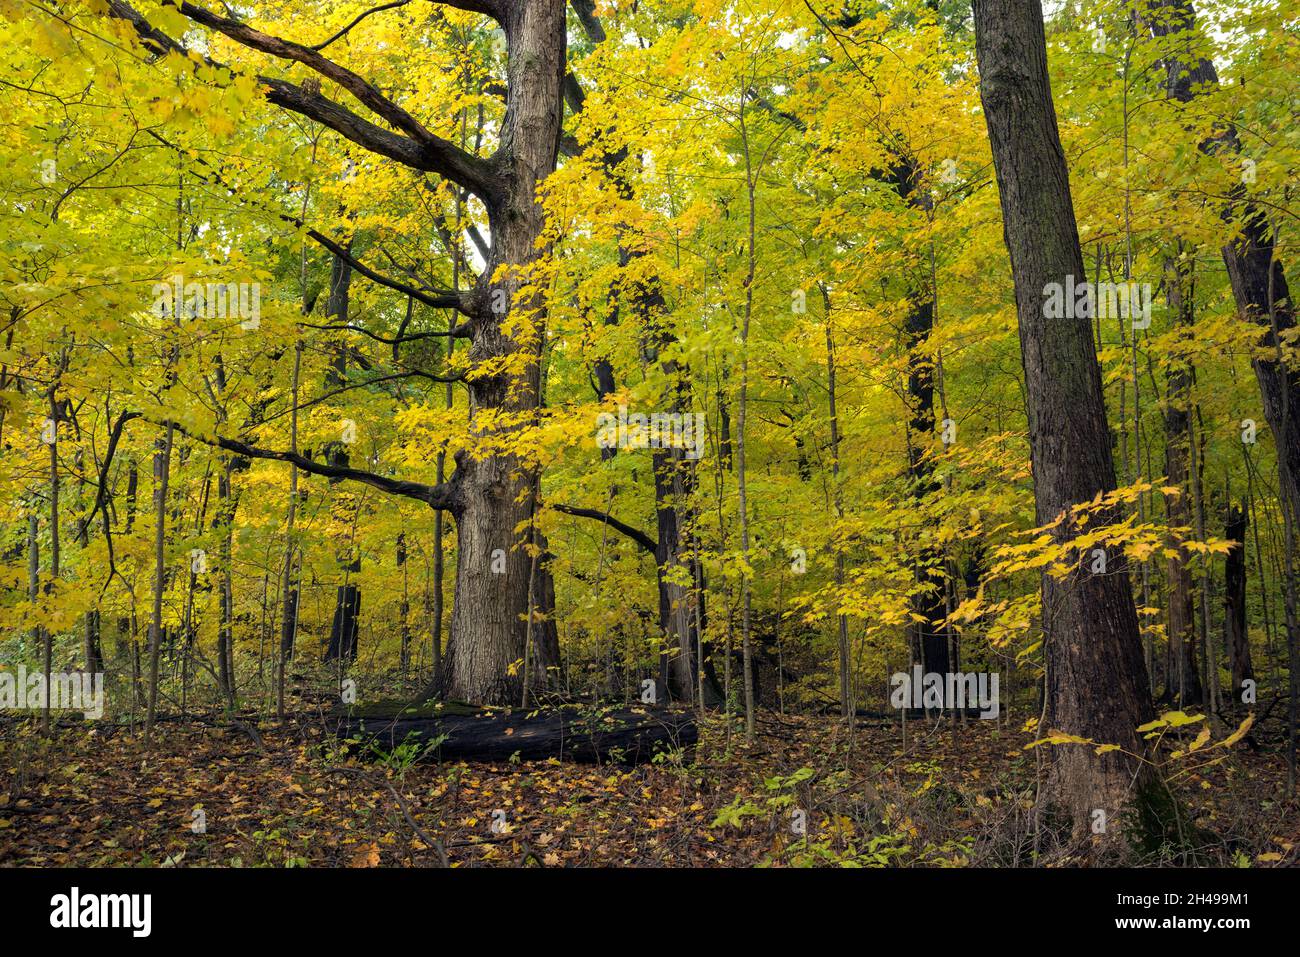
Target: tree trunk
x=347 y=597
x=1183 y=684
x=1259 y=284
x=931 y=642
x=674 y=472
x=163 y=471
x=288 y=589
x=545 y=662
x=624 y=736
x=492 y=495
x=1236 y=639
x=343 y=629
x=1096 y=684
x=225 y=523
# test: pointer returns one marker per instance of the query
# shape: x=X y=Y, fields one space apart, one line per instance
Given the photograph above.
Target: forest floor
x=808 y=790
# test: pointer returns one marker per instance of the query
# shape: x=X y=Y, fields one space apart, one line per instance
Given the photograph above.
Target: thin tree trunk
x=847 y=706
x=163 y=460
x=289 y=593
x=1236 y=638
x=747 y=656
x=1183 y=684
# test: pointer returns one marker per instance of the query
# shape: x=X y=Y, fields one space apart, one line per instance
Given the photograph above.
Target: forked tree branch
x=419 y=149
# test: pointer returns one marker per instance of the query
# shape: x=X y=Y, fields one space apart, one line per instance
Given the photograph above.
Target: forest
x=657 y=433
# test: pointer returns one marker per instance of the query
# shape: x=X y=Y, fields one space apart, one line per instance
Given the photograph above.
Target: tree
x=490 y=493
x=1096 y=683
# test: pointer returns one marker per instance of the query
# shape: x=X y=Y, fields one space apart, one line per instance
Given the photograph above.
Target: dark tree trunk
x=1235 y=637
x=1096 y=683
x=347 y=596
x=94 y=651
x=224 y=523
x=1259 y=284
x=404 y=609
x=930 y=643
x=289 y=623
x=343 y=630
x=629 y=736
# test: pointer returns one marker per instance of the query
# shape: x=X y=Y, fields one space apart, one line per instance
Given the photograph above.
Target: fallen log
x=455 y=732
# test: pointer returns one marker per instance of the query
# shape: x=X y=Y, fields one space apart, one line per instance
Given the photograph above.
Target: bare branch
x=440 y=299
x=435 y=496
x=491 y=8
x=360 y=16
x=284 y=49
x=462 y=331
x=641 y=538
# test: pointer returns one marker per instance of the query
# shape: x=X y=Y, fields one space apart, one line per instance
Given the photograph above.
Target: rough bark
x=493 y=494
x=1096 y=681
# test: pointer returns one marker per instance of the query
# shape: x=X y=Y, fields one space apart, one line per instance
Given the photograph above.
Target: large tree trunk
x=1096 y=684
x=493 y=494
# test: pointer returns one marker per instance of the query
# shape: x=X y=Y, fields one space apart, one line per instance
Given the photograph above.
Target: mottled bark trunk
x=493 y=494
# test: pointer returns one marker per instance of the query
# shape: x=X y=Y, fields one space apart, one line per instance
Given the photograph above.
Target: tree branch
x=435 y=496
x=585 y=10
x=641 y=538
x=420 y=149
x=443 y=299
x=360 y=16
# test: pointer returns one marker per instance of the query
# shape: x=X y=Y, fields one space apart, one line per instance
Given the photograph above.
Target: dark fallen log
x=569 y=733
